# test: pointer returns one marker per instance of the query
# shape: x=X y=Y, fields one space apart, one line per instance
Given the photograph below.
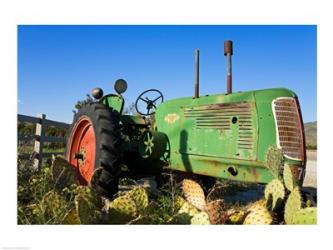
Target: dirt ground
x=311 y=169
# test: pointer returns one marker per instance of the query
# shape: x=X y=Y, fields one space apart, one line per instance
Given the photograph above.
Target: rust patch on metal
x=254 y=173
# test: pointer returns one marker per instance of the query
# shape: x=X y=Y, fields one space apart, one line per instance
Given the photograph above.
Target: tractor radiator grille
x=222 y=116
x=218 y=116
x=289 y=127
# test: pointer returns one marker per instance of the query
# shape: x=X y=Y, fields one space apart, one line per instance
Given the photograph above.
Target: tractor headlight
x=120 y=86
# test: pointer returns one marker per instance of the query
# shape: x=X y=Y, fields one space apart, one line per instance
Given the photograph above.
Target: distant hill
x=311 y=133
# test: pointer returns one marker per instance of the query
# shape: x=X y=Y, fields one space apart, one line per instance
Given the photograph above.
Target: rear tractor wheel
x=93 y=147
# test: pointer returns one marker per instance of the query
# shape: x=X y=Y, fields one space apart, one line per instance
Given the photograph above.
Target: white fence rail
x=39 y=136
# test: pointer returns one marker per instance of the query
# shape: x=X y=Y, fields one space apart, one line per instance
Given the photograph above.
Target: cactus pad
x=180 y=219
x=274 y=161
x=293 y=205
x=188 y=208
x=52 y=205
x=88 y=205
x=258 y=216
x=194 y=194
x=140 y=197
x=122 y=210
x=71 y=218
x=185 y=214
x=274 y=194
x=288 y=179
x=63 y=174
x=235 y=217
x=178 y=203
x=216 y=212
x=253 y=206
x=201 y=218
x=306 y=216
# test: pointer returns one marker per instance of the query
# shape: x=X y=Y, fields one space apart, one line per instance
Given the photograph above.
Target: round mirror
x=120 y=86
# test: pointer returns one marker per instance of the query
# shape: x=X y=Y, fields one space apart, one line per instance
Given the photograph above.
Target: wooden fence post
x=39 y=141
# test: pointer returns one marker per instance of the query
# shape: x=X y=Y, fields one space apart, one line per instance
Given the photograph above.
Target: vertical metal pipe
x=196 y=73
x=228 y=53
x=229 y=74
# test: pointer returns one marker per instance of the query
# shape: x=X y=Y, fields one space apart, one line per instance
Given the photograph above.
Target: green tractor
x=244 y=136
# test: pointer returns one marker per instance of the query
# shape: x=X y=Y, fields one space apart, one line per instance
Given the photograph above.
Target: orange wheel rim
x=82 y=149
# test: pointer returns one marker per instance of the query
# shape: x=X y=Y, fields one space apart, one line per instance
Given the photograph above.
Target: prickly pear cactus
x=194 y=194
x=63 y=174
x=257 y=205
x=184 y=215
x=235 y=217
x=288 y=179
x=52 y=205
x=71 y=218
x=216 y=212
x=274 y=194
x=122 y=210
x=306 y=216
x=201 y=218
x=178 y=203
x=180 y=219
x=88 y=205
x=292 y=206
x=259 y=215
x=274 y=161
x=140 y=196
x=189 y=209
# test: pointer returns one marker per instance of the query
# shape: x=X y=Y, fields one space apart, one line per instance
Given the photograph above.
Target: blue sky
x=58 y=65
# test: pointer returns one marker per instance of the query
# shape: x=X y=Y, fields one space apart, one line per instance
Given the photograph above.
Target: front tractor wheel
x=93 y=145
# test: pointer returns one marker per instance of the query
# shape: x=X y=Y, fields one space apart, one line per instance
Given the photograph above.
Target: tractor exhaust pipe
x=196 y=73
x=228 y=53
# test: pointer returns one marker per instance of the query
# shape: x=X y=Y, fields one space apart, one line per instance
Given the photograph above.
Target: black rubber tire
x=105 y=123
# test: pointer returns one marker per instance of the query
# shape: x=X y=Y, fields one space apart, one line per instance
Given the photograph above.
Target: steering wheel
x=151 y=104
